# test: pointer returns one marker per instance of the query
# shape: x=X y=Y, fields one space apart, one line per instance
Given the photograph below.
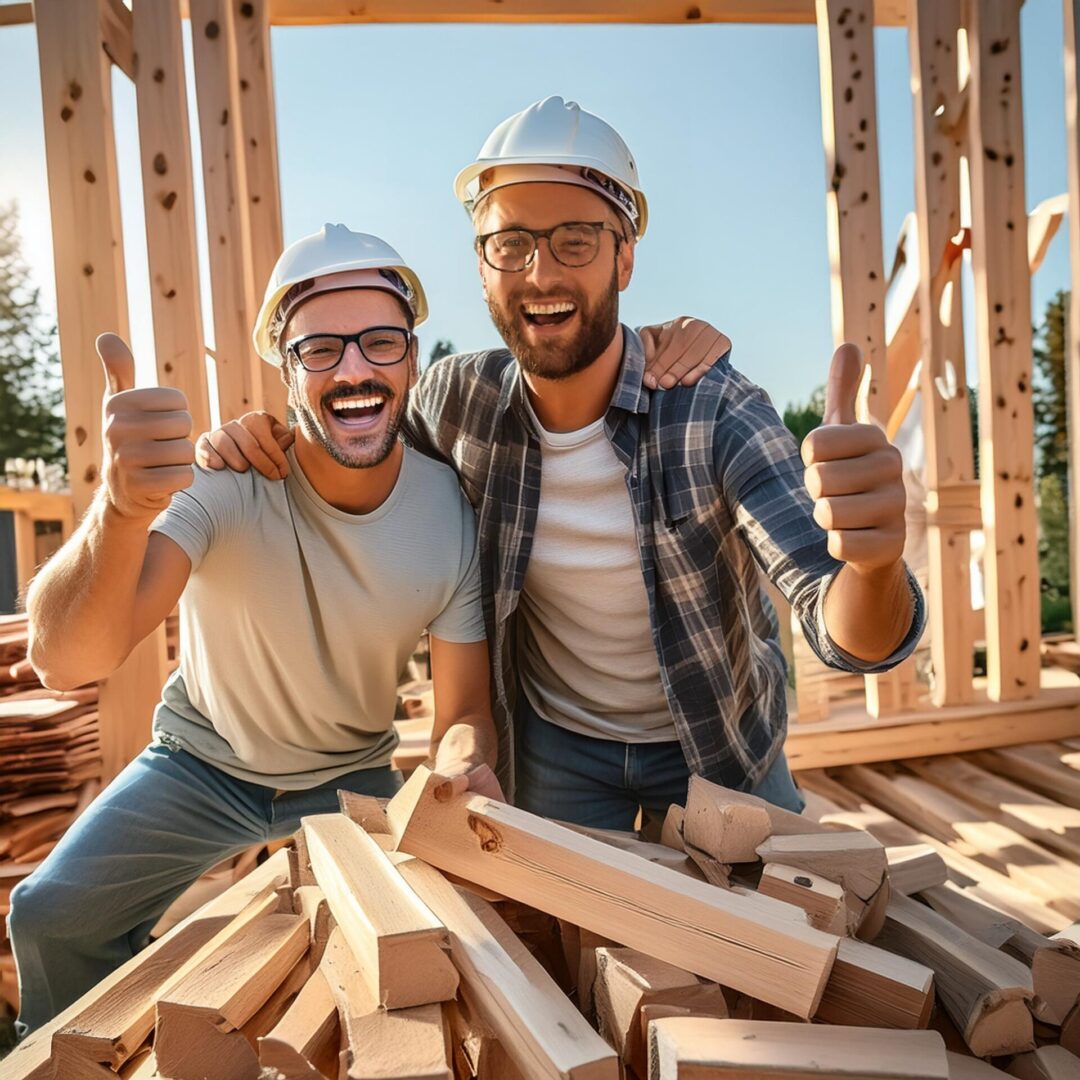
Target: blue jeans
x=165 y=820
x=603 y=783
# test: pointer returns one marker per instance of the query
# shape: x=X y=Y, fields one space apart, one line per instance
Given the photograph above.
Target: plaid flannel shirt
x=716 y=485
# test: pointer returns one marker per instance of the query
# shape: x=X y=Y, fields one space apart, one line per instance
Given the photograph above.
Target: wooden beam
x=698 y=1049
x=1037 y=765
x=729 y=831
x=305 y=13
x=510 y=992
x=985 y=993
x=16 y=14
x=1003 y=334
x=853 y=219
x=169 y=198
x=199 y=1019
x=91 y=291
x=935 y=82
x=398 y=943
x=752 y=943
x=854 y=860
x=377 y=1043
x=117 y=38
x=304 y=1043
x=820 y=898
x=259 y=139
x=870 y=987
x=855 y=737
x=30 y=1058
x=228 y=224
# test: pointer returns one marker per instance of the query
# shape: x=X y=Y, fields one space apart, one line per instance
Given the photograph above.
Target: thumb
x=118 y=363
x=845 y=372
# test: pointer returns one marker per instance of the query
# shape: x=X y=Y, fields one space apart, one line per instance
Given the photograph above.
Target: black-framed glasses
x=574 y=243
x=379 y=345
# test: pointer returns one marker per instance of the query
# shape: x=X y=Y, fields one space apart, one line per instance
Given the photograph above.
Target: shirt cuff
x=831 y=653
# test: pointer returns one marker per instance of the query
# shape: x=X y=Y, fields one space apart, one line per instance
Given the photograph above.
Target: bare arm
x=463 y=740
x=100 y=595
x=111 y=584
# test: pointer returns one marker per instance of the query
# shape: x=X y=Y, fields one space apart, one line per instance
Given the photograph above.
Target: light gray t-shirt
x=298 y=617
x=586 y=652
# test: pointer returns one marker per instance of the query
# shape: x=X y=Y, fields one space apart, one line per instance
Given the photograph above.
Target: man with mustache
x=622 y=529
x=299 y=602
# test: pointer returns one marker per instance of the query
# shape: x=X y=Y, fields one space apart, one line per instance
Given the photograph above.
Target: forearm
x=868 y=613
x=81 y=605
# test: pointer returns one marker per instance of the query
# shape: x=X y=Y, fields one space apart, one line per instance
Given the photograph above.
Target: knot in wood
x=490 y=841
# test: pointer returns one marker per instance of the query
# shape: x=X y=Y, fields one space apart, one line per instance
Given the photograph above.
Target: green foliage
x=800 y=420
x=31 y=389
x=440 y=349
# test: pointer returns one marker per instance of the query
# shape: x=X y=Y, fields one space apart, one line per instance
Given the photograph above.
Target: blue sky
x=374 y=121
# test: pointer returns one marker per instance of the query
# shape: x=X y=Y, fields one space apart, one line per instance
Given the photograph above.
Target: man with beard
x=622 y=529
x=299 y=603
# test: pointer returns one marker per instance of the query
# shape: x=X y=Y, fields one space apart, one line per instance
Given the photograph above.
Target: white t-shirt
x=586 y=653
x=298 y=617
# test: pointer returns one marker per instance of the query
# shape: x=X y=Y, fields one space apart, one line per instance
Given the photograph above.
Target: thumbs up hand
x=854 y=475
x=147 y=453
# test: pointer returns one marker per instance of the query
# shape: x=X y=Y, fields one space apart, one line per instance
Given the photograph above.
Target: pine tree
x=1049 y=394
x=31 y=388
x=800 y=420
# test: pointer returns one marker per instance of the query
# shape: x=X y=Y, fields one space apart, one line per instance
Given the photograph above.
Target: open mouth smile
x=358 y=411
x=554 y=314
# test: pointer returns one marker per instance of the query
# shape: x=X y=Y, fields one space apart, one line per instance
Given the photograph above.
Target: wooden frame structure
x=966 y=91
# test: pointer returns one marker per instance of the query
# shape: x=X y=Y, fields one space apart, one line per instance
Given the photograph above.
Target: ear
x=624 y=263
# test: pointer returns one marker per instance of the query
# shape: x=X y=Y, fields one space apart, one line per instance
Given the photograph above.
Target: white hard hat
x=335 y=249
x=559 y=133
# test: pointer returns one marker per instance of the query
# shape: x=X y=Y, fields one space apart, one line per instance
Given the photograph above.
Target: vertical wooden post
x=1003 y=334
x=259 y=134
x=950 y=477
x=227 y=221
x=853 y=202
x=91 y=298
x=169 y=197
x=1072 y=364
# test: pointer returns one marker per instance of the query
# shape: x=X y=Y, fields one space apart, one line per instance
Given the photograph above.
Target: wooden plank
x=84 y=204
x=696 y=1049
x=306 y=13
x=854 y=860
x=821 y=899
x=169 y=198
x=198 y=1019
x=228 y=225
x=870 y=987
x=303 y=1045
x=955 y=822
x=116 y=35
x=729 y=831
x=1038 y=818
x=259 y=140
x=1046 y=1063
x=856 y=738
x=914 y=867
x=380 y=1044
x=935 y=85
x=30 y=1058
x=399 y=944
x=511 y=993
x=16 y=14
x=1036 y=765
x=752 y=943
x=627 y=980
x=1003 y=334
x=985 y=993
x=964 y=1067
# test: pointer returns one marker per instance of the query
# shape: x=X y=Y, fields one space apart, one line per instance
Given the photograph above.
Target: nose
x=544 y=270
x=353 y=367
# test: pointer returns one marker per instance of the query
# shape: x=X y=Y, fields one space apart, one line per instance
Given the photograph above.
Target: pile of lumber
x=447 y=937
x=50 y=763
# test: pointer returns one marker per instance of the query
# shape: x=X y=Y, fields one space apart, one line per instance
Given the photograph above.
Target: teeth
x=549 y=309
x=344 y=404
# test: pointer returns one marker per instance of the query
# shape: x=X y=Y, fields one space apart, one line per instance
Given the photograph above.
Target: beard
x=559 y=360
x=362 y=450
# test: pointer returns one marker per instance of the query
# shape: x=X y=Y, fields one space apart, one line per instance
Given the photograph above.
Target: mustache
x=363 y=389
